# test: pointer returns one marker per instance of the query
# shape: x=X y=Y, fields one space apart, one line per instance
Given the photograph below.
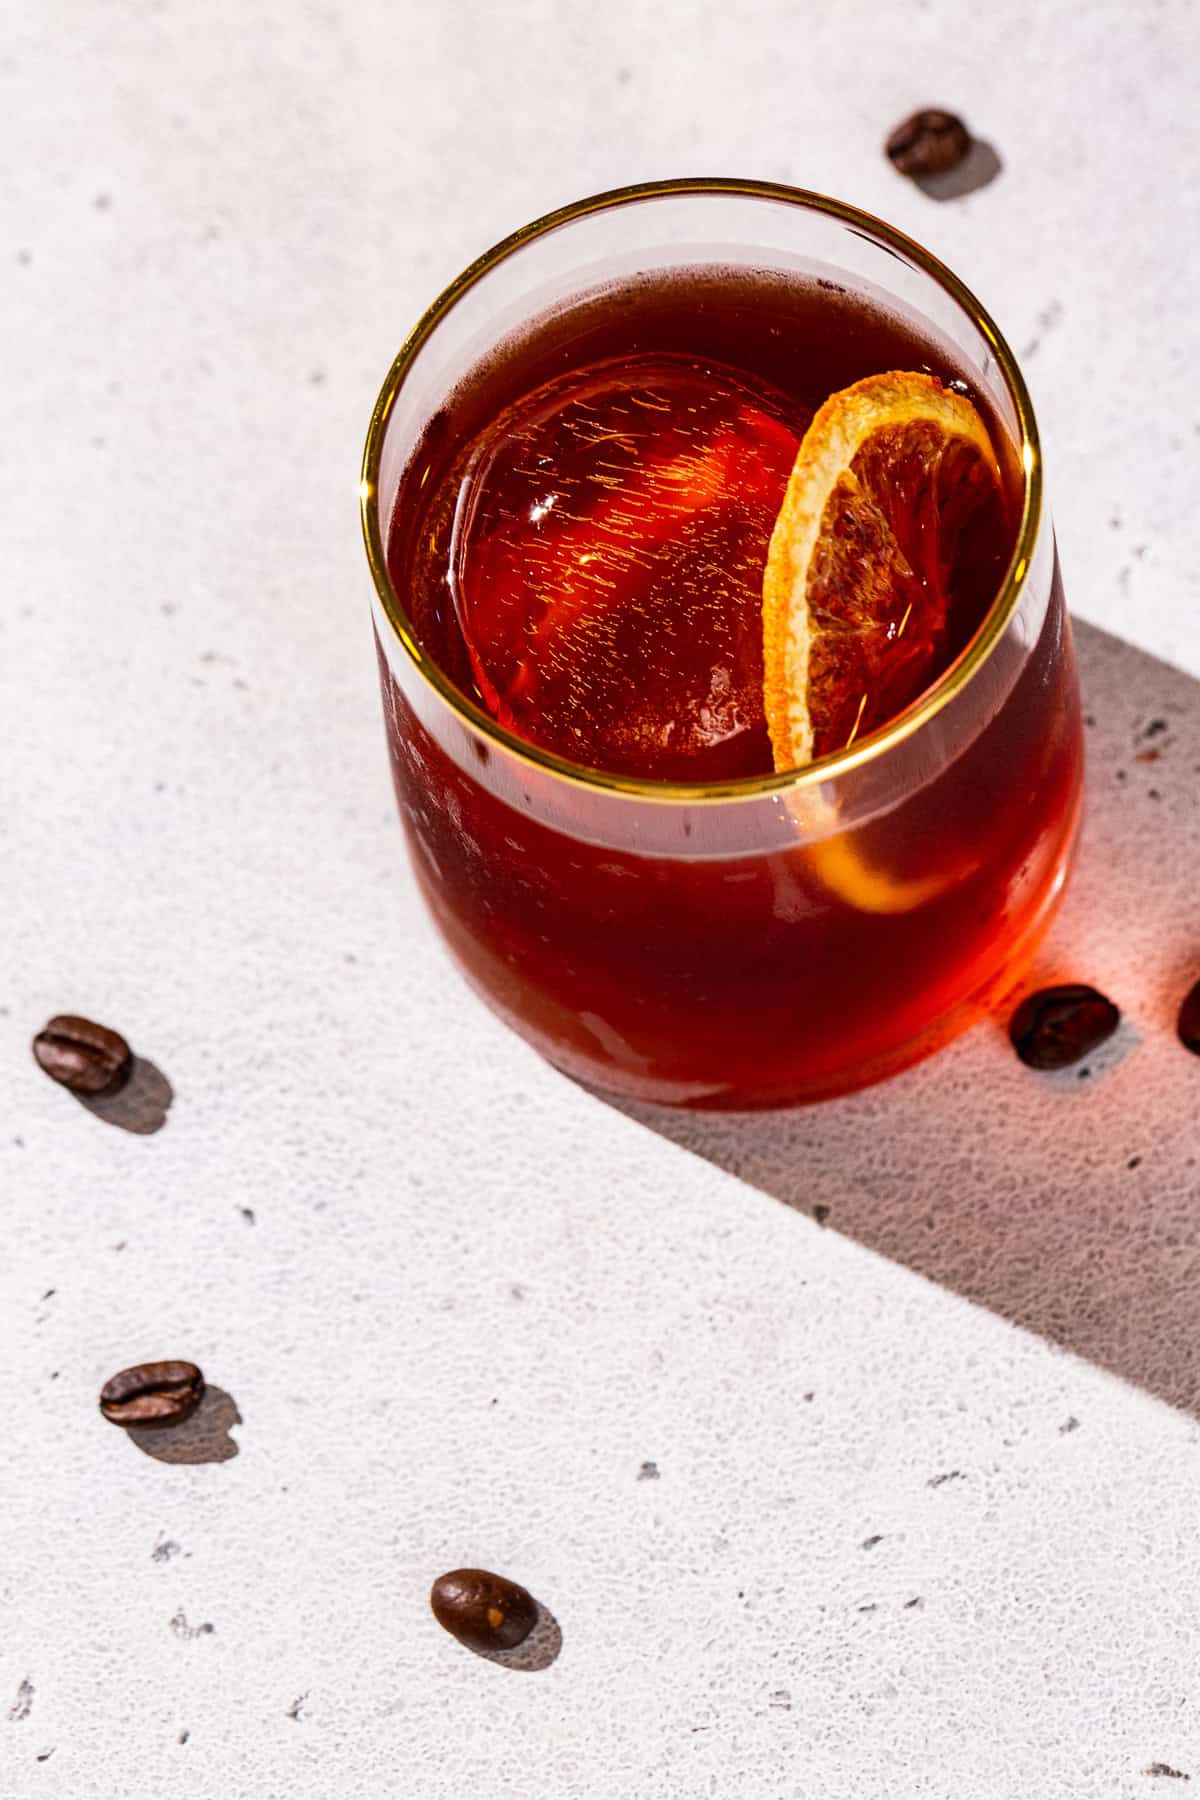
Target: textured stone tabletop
x=855 y=1451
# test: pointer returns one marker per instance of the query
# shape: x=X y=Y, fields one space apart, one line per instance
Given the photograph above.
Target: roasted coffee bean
x=483 y=1611
x=1056 y=1026
x=153 y=1394
x=1189 y=1020
x=85 y=1057
x=928 y=143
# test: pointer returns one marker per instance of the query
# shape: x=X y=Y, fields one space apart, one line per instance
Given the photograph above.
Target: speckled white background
x=473 y=1300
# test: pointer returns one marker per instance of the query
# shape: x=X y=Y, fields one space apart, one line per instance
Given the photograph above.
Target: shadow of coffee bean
x=204 y=1438
x=140 y=1106
x=538 y=1651
x=978 y=167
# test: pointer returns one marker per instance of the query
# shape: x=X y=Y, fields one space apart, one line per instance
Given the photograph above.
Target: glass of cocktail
x=727 y=678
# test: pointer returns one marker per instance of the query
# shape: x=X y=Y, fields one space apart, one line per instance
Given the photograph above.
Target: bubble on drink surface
x=607 y=559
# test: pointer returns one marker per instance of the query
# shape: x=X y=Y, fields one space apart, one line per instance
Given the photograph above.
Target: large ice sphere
x=607 y=562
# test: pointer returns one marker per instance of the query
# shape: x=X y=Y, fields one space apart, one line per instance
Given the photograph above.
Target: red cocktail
x=575 y=503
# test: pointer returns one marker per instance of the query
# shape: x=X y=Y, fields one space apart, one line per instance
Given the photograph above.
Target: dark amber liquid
x=711 y=977
x=589 y=523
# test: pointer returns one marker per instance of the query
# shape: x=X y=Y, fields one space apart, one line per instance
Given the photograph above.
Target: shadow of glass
x=142 y=1104
x=540 y=1649
x=204 y=1438
x=1069 y=1204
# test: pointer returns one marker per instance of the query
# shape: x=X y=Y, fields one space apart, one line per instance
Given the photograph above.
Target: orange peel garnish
x=856 y=585
x=846 y=871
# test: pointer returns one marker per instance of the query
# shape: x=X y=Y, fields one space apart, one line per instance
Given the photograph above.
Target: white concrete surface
x=474 y=1301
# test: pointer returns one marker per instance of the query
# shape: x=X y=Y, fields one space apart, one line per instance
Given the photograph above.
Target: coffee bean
x=483 y=1611
x=85 y=1057
x=928 y=143
x=153 y=1394
x=1189 y=1020
x=1058 y=1025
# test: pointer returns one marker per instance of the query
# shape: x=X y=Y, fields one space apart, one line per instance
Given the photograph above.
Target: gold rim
x=749 y=787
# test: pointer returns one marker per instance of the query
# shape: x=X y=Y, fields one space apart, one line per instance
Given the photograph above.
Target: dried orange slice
x=864 y=559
